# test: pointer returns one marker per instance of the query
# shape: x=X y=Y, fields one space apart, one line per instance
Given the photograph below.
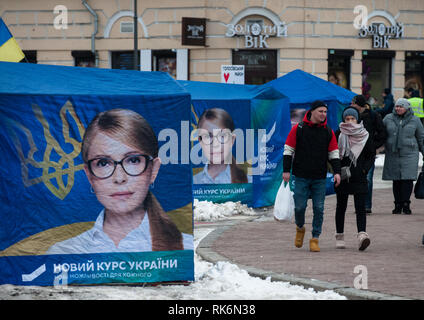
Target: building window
x=414 y=71
x=260 y=66
x=165 y=61
x=83 y=58
x=339 y=67
x=376 y=74
x=124 y=60
x=30 y=56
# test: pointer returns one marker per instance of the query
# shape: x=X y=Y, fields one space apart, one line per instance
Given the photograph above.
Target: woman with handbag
x=405 y=135
x=357 y=157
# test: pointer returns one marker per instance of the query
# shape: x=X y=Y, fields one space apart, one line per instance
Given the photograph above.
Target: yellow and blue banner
x=58 y=205
x=246 y=127
x=9 y=48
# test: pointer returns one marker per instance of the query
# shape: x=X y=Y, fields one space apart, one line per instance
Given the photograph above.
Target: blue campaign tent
x=27 y=78
x=303 y=88
x=46 y=198
x=252 y=108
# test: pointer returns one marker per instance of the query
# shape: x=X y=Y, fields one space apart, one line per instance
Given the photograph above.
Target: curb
x=204 y=250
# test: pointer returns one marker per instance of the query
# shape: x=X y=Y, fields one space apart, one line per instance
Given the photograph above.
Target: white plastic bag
x=284 y=203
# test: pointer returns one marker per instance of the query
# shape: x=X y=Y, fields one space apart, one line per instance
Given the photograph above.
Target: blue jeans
x=303 y=190
x=370 y=177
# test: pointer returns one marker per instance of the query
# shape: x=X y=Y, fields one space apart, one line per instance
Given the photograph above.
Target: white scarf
x=352 y=139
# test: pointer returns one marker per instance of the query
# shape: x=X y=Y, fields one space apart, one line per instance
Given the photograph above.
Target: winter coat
x=357 y=183
x=374 y=124
x=389 y=104
x=402 y=152
x=307 y=149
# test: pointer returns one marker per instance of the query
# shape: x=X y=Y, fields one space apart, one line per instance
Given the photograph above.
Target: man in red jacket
x=309 y=145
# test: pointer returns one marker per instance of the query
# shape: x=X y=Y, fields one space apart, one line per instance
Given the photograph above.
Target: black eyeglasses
x=133 y=165
x=222 y=137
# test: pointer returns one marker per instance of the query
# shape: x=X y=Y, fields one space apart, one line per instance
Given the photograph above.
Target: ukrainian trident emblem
x=56 y=163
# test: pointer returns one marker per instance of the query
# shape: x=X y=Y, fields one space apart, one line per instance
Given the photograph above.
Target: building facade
x=364 y=47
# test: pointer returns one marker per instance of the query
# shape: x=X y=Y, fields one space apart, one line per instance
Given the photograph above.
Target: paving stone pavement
x=392 y=267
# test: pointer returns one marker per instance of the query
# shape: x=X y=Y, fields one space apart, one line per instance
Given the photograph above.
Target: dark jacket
x=389 y=104
x=310 y=150
x=375 y=127
x=357 y=183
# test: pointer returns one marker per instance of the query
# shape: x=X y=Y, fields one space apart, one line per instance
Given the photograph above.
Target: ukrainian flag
x=9 y=48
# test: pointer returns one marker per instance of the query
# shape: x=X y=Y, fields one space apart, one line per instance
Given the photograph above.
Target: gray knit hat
x=402 y=102
x=351 y=112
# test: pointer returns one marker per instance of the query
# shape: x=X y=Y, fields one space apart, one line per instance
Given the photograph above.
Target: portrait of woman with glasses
x=120 y=154
x=215 y=133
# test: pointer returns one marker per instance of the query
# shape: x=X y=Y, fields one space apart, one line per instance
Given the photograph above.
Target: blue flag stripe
x=5 y=34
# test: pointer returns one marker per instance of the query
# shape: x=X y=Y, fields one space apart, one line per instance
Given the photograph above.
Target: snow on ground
x=209 y=211
x=219 y=281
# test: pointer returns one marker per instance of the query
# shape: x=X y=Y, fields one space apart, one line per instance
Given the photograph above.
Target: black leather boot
x=406 y=209
x=398 y=208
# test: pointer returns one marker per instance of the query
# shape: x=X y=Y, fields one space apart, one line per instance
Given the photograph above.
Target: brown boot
x=313 y=245
x=300 y=233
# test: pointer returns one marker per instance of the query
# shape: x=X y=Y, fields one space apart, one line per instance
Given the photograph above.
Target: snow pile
x=226 y=281
x=209 y=211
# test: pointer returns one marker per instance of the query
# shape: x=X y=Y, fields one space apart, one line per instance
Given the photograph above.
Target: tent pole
x=135 y=64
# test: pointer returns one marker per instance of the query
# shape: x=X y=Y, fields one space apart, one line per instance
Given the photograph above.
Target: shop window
x=414 y=71
x=376 y=75
x=30 y=56
x=339 y=67
x=124 y=60
x=83 y=58
x=260 y=66
x=165 y=61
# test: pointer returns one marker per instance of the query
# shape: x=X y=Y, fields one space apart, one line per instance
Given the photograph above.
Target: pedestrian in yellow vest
x=416 y=103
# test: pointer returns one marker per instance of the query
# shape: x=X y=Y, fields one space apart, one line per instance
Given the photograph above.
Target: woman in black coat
x=357 y=154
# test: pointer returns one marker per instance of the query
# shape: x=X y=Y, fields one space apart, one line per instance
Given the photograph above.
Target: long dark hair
x=131 y=128
x=223 y=119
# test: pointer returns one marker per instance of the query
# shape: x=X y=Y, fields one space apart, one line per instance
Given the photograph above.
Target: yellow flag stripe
x=11 y=52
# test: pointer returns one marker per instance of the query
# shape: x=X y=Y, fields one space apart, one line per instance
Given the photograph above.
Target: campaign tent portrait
x=85 y=196
x=237 y=138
